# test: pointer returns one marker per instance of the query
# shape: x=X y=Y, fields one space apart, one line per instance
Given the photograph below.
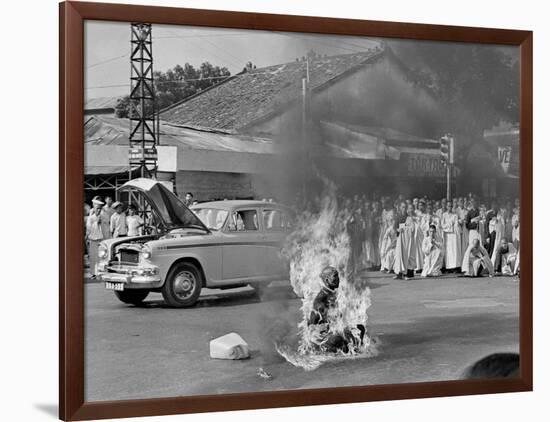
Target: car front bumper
x=131 y=279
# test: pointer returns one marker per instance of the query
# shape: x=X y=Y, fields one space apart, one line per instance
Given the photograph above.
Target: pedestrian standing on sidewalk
x=119 y=225
x=94 y=236
x=107 y=212
x=134 y=221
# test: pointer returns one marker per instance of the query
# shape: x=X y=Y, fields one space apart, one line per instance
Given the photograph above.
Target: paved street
x=428 y=329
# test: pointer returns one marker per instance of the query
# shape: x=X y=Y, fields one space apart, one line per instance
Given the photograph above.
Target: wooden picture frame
x=72 y=405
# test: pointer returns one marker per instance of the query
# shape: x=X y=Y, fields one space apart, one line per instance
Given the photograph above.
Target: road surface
x=428 y=330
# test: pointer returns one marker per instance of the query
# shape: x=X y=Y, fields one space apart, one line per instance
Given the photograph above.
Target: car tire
x=132 y=297
x=183 y=285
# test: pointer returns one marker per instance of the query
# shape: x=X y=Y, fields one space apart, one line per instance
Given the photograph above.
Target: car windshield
x=212 y=218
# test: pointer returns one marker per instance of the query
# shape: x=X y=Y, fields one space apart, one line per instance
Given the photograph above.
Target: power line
x=112 y=59
x=227 y=53
x=291 y=35
x=221 y=34
x=162 y=82
x=309 y=38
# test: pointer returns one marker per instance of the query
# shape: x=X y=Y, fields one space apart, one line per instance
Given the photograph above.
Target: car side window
x=244 y=220
x=276 y=220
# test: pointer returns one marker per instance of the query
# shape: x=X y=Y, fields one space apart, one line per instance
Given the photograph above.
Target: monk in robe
x=323 y=337
x=387 y=218
x=498 y=226
x=476 y=259
x=451 y=238
x=506 y=255
x=472 y=221
x=387 y=248
x=432 y=249
x=421 y=227
x=461 y=212
x=356 y=230
x=405 y=250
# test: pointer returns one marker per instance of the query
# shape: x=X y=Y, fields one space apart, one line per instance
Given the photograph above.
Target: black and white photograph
x=269 y=211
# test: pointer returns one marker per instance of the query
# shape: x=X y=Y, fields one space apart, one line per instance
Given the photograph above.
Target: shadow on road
x=472 y=328
x=233 y=298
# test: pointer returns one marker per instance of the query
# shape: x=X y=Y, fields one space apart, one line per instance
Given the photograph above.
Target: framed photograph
x=267 y=210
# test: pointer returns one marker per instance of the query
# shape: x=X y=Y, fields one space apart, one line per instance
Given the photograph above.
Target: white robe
x=464 y=232
x=386 y=220
x=508 y=260
x=421 y=228
x=452 y=242
x=405 y=249
x=433 y=257
x=472 y=262
x=499 y=226
x=387 y=250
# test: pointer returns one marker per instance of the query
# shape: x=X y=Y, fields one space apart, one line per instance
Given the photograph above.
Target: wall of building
x=209 y=185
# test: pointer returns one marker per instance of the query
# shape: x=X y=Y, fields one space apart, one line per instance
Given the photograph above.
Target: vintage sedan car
x=221 y=244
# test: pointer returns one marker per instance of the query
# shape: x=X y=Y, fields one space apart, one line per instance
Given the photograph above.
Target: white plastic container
x=230 y=346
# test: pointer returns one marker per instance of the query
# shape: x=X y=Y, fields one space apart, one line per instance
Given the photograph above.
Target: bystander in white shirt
x=119 y=226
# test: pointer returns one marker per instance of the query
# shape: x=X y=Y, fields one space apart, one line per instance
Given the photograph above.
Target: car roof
x=237 y=203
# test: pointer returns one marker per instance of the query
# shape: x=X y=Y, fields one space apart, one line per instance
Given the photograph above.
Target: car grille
x=128 y=256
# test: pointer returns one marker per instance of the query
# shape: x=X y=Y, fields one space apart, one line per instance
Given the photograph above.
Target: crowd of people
x=106 y=220
x=429 y=237
x=403 y=236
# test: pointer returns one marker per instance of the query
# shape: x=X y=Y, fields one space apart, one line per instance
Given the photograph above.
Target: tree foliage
x=476 y=86
x=178 y=83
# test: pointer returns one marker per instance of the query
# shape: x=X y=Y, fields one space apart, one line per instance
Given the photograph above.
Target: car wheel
x=183 y=285
x=133 y=297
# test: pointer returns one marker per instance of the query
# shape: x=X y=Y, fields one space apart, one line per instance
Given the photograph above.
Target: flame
x=321 y=239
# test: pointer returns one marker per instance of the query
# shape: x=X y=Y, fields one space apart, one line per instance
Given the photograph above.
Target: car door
x=277 y=224
x=243 y=252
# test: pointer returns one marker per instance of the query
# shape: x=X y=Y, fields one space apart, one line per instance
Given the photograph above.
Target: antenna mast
x=143 y=114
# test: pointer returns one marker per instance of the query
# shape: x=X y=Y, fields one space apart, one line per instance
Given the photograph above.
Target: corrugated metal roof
x=101 y=103
x=98 y=170
x=108 y=130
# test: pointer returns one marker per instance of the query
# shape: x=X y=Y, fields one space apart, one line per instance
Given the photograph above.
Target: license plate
x=114 y=286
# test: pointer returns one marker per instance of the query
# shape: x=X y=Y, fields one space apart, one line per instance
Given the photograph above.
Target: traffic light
x=446 y=149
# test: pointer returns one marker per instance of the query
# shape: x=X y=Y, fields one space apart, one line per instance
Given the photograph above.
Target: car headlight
x=102 y=252
x=146 y=252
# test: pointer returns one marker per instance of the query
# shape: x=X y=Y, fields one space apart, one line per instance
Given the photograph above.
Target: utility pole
x=305 y=143
x=144 y=127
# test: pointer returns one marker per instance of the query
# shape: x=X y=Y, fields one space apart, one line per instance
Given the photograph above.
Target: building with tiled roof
x=236 y=138
x=253 y=96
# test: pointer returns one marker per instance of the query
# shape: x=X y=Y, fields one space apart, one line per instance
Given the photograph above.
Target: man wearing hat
x=96 y=203
x=119 y=225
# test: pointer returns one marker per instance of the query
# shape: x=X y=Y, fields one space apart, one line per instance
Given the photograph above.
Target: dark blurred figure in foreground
x=497 y=365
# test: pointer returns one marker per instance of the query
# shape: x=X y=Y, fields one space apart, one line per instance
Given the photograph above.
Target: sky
x=107 y=48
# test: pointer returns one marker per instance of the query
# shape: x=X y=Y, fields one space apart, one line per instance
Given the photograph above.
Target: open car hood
x=167 y=206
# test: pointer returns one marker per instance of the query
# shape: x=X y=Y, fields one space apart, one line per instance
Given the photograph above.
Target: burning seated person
x=325 y=337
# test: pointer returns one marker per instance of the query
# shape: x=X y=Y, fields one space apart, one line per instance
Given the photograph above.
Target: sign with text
x=504 y=157
x=426 y=165
x=137 y=154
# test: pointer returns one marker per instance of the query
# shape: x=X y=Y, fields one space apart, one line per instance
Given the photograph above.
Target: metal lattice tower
x=144 y=127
